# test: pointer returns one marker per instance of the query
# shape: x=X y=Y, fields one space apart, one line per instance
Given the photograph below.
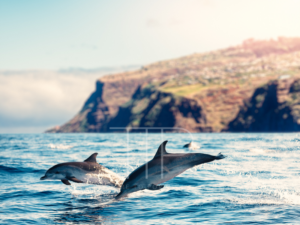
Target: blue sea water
x=258 y=182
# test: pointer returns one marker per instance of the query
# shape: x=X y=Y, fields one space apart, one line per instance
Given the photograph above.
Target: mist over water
x=258 y=181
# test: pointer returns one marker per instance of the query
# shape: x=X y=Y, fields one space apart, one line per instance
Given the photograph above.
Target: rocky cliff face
x=264 y=112
x=103 y=104
x=149 y=107
x=249 y=87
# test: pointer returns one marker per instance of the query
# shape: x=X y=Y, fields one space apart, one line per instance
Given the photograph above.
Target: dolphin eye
x=56 y=172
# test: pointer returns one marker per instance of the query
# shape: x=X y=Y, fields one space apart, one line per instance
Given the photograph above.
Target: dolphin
x=192 y=145
x=88 y=171
x=163 y=167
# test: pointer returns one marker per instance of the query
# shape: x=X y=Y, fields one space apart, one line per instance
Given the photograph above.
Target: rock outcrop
x=152 y=108
x=265 y=113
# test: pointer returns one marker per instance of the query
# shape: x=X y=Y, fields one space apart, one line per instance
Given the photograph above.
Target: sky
x=62 y=34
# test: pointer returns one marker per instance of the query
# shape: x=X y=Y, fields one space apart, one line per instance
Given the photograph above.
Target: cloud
x=36 y=100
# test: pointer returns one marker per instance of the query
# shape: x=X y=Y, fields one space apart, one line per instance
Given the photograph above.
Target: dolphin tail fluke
x=220 y=156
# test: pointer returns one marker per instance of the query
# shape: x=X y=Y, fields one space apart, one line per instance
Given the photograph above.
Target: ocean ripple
x=258 y=182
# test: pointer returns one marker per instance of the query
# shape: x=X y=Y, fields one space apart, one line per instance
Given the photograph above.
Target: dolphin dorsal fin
x=161 y=150
x=92 y=158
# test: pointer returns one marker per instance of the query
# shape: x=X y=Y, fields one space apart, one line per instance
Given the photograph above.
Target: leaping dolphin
x=88 y=171
x=163 y=167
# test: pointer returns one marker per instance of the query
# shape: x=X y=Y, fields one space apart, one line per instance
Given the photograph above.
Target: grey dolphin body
x=88 y=171
x=163 y=167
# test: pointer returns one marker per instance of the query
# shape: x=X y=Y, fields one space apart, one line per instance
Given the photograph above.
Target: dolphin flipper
x=74 y=179
x=154 y=187
x=65 y=181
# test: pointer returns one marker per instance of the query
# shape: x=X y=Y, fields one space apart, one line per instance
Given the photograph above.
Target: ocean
x=257 y=183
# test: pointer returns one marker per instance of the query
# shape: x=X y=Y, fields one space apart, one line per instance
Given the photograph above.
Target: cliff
x=274 y=107
x=149 y=107
x=249 y=87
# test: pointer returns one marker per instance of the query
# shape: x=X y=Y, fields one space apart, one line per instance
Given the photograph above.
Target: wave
x=19 y=170
x=10 y=169
x=60 y=146
x=275 y=197
x=99 y=192
x=260 y=151
x=8 y=196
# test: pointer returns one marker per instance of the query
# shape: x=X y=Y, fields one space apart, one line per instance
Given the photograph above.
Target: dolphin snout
x=43 y=178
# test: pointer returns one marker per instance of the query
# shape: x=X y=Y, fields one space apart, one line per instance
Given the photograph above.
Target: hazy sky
x=57 y=34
